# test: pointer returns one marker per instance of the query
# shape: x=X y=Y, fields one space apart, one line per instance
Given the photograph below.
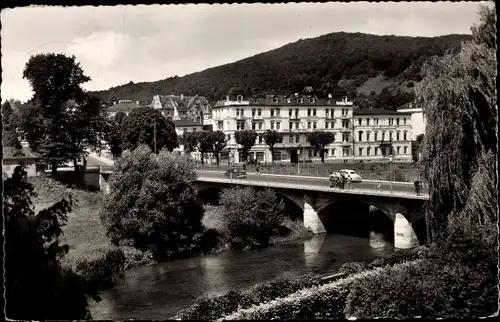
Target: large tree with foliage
x=319 y=140
x=458 y=95
x=251 y=217
x=139 y=128
x=271 y=137
x=37 y=286
x=9 y=125
x=246 y=139
x=61 y=120
x=114 y=134
x=205 y=143
x=219 y=142
x=190 y=141
x=152 y=203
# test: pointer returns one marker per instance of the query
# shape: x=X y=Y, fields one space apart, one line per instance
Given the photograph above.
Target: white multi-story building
x=294 y=116
x=379 y=134
x=418 y=120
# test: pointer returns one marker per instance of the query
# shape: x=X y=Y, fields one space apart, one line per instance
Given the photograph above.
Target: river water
x=160 y=291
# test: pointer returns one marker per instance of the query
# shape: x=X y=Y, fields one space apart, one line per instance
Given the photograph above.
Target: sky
x=118 y=44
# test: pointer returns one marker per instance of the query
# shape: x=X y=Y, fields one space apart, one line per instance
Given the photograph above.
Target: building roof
x=11 y=153
x=125 y=107
x=180 y=102
x=186 y=123
x=287 y=100
x=376 y=111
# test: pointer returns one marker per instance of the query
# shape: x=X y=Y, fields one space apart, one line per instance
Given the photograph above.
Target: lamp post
x=298 y=159
x=390 y=163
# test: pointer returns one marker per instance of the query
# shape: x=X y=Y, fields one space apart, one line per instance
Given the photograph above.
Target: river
x=159 y=291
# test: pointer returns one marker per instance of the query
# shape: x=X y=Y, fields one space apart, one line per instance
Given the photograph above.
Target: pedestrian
x=379 y=185
x=331 y=177
x=244 y=167
x=417 y=187
x=348 y=182
x=257 y=168
x=342 y=181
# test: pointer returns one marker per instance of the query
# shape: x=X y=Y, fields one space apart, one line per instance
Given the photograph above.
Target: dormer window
x=256 y=101
x=311 y=100
x=288 y=100
x=344 y=99
x=227 y=98
x=275 y=100
x=239 y=98
x=301 y=100
x=329 y=102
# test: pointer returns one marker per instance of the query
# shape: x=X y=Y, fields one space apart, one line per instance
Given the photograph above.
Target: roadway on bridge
x=375 y=186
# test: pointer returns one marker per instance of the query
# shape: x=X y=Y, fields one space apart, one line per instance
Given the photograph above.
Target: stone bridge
x=403 y=210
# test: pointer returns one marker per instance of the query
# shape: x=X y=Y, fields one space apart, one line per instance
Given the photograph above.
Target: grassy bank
x=369 y=171
x=91 y=253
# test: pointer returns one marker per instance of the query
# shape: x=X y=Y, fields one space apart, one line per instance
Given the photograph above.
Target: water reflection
x=160 y=291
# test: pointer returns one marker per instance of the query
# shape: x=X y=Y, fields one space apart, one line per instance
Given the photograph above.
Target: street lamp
x=390 y=163
x=298 y=158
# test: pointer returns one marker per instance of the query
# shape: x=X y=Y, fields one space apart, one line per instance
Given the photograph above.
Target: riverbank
x=428 y=281
x=91 y=253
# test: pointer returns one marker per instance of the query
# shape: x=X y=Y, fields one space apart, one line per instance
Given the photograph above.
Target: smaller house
x=15 y=156
x=185 y=126
x=125 y=106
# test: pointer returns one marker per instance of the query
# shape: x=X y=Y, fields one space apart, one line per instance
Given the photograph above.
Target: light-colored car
x=351 y=174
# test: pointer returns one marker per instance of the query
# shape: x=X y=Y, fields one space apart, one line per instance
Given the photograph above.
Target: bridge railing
x=319 y=170
x=374 y=188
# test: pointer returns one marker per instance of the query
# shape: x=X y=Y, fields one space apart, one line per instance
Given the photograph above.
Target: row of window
x=361 y=151
x=276 y=100
x=376 y=135
x=293 y=113
x=376 y=121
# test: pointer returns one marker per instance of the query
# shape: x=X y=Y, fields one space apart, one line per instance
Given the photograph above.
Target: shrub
x=317 y=302
x=152 y=205
x=251 y=217
x=104 y=269
x=209 y=309
x=352 y=267
x=397 y=257
x=136 y=257
x=281 y=287
x=220 y=306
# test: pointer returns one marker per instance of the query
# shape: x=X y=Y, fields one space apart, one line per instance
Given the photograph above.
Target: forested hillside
x=360 y=64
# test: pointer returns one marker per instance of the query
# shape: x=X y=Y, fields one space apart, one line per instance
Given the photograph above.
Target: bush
x=397 y=257
x=209 y=309
x=317 y=302
x=135 y=257
x=352 y=267
x=104 y=269
x=152 y=205
x=251 y=217
x=220 y=306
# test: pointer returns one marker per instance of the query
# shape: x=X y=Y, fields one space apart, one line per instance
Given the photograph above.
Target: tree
x=60 y=118
x=114 y=134
x=190 y=141
x=219 y=142
x=9 y=128
x=251 y=217
x=271 y=137
x=319 y=140
x=205 y=144
x=37 y=287
x=153 y=203
x=139 y=128
x=247 y=139
x=458 y=95
x=420 y=139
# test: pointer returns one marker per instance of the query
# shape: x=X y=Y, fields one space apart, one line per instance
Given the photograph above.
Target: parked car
x=351 y=174
x=236 y=173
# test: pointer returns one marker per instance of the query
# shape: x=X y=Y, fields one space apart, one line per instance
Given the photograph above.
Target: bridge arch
x=378 y=206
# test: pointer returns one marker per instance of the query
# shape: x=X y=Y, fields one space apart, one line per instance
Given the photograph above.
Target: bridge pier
x=311 y=217
x=404 y=234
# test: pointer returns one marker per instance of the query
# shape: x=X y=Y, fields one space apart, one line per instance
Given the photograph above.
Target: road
x=366 y=185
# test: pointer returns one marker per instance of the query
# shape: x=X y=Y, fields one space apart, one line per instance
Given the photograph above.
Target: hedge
x=217 y=307
x=103 y=269
x=318 y=302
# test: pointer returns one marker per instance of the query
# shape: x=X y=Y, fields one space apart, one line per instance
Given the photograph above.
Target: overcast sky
x=146 y=43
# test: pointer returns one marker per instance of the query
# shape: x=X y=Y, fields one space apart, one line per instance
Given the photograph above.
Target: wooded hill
x=361 y=64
